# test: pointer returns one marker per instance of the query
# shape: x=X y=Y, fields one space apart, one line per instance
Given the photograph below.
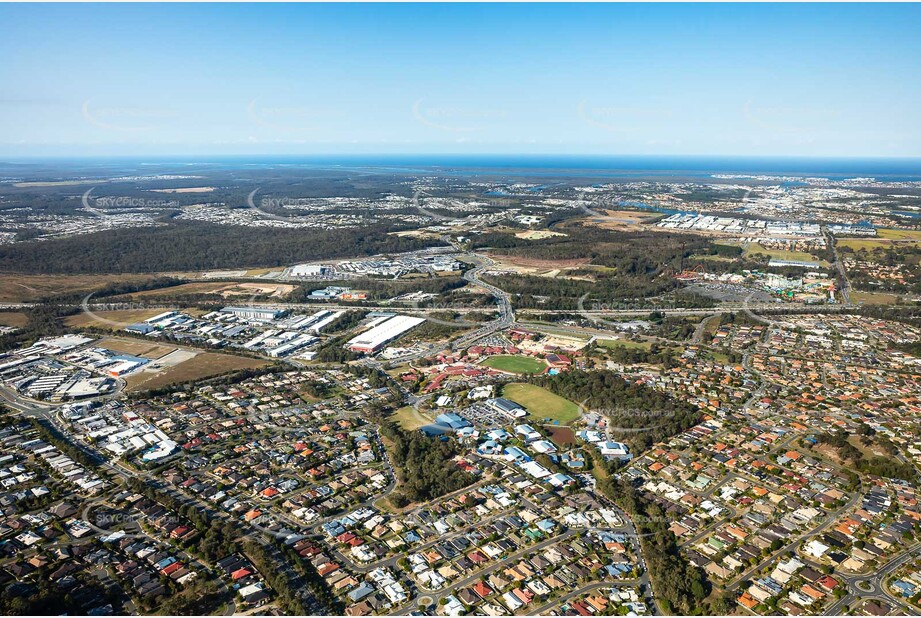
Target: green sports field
x=516 y=364
x=541 y=403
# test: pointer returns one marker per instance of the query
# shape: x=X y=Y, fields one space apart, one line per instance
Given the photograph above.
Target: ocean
x=615 y=168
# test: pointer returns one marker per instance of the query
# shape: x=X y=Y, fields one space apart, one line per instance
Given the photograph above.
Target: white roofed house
x=527 y=432
x=535 y=469
x=617 y=450
x=543 y=446
x=254 y=593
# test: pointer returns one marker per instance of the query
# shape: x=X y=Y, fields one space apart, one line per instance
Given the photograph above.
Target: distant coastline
x=591 y=166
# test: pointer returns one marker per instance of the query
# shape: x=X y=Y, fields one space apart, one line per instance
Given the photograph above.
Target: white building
x=373 y=340
x=253 y=313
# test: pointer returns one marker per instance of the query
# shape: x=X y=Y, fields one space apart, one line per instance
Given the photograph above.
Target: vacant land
x=868 y=244
x=538 y=234
x=561 y=338
x=409 y=418
x=112 y=320
x=712 y=258
x=274 y=290
x=893 y=234
x=147 y=349
x=257 y=272
x=15 y=288
x=874 y=298
x=720 y=357
x=185 y=289
x=622 y=219
x=542 y=405
x=202 y=365
x=623 y=343
x=534 y=266
x=782 y=254
x=891 y=238
x=563 y=437
x=222 y=288
x=15 y=319
x=516 y=364
x=632 y=216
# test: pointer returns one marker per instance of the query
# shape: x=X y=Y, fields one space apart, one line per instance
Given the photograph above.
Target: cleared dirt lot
x=147 y=349
x=623 y=219
x=201 y=365
x=538 y=234
x=222 y=288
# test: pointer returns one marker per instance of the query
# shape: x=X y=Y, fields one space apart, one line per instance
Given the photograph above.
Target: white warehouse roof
x=390 y=329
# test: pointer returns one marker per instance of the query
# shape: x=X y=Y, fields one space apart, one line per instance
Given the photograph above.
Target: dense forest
x=197 y=246
x=423 y=465
x=639 y=415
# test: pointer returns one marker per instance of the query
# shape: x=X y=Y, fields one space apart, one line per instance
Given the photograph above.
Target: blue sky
x=717 y=79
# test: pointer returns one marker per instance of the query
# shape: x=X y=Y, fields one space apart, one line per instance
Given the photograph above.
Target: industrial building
x=140 y=328
x=291 y=346
x=253 y=313
x=309 y=270
x=373 y=340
